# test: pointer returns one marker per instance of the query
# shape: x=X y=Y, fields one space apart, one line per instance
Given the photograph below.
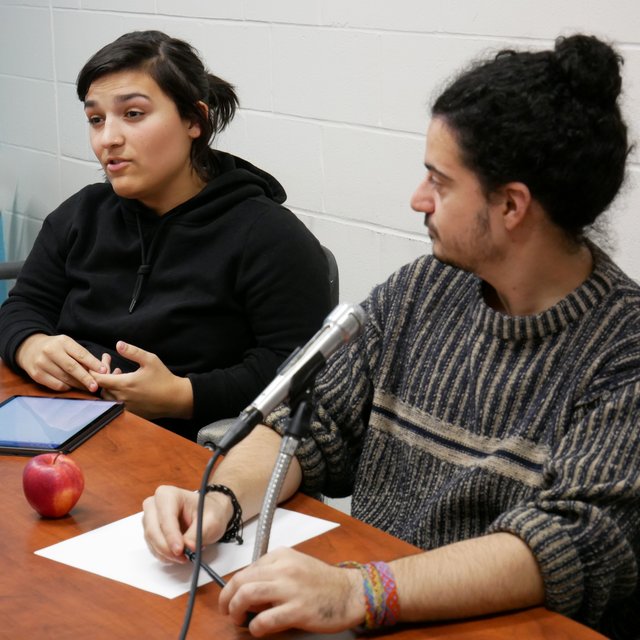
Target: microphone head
x=349 y=318
x=344 y=323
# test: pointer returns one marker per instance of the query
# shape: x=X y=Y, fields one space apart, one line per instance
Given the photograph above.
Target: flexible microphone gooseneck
x=352 y=318
x=341 y=325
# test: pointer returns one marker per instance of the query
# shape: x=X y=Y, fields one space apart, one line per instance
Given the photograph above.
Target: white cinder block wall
x=334 y=98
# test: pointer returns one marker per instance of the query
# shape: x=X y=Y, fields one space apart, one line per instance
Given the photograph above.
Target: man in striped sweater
x=490 y=411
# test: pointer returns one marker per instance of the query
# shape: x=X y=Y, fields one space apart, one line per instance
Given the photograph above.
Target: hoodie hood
x=236 y=182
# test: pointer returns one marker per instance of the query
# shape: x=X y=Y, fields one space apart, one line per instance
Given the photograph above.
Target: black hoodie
x=222 y=288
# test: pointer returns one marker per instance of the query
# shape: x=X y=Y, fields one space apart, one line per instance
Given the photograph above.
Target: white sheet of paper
x=118 y=551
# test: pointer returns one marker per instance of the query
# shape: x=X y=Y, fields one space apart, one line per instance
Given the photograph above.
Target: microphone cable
x=197 y=559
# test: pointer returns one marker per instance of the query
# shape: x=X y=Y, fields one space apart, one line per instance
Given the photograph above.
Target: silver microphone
x=344 y=323
x=340 y=326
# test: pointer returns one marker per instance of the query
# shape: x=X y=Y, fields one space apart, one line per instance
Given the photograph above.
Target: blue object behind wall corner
x=3 y=284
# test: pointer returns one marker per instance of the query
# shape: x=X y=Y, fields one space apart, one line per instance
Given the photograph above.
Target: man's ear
x=194 y=129
x=515 y=199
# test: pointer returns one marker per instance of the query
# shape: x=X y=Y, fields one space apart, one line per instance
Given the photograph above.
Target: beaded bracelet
x=234 y=528
x=382 y=606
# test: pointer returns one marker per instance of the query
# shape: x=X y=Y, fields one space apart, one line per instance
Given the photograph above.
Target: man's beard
x=474 y=252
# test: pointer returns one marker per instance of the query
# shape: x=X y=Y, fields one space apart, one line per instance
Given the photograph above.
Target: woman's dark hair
x=177 y=69
x=549 y=119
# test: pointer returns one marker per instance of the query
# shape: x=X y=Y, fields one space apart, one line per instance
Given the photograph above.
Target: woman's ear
x=194 y=129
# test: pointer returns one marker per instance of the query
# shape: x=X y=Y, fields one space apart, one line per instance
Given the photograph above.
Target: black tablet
x=32 y=424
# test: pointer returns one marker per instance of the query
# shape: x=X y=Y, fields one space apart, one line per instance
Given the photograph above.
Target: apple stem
x=57 y=455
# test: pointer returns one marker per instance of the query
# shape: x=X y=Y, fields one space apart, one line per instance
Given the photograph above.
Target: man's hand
x=291 y=590
x=59 y=362
x=151 y=391
x=169 y=521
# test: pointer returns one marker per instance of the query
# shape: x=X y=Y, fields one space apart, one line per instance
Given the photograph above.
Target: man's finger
x=172 y=509
x=154 y=537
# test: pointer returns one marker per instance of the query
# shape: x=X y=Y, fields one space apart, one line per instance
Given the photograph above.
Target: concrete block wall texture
x=334 y=102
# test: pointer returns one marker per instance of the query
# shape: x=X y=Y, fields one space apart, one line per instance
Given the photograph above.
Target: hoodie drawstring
x=143 y=270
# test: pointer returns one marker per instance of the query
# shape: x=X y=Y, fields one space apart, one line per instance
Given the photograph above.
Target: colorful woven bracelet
x=381 y=602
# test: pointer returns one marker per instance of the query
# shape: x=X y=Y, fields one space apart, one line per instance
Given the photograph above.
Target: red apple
x=52 y=483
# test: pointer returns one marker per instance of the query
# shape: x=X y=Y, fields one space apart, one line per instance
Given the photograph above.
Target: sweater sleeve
x=342 y=400
x=34 y=303
x=583 y=526
x=283 y=283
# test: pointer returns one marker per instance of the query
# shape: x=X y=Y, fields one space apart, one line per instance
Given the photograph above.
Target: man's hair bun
x=590 y=67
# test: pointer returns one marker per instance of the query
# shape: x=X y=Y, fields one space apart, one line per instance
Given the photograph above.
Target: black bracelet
x=234 y=528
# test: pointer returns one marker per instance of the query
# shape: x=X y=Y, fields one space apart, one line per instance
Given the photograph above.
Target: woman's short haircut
x=178 y=70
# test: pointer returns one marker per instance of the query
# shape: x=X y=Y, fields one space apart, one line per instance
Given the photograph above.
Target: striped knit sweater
x=448 y=420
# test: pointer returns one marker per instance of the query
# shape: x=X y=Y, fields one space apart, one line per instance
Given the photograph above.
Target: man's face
x=457 y=213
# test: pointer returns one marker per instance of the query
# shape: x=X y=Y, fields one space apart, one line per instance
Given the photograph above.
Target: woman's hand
x=59 y=362
x=289 y=589
x=151 y=391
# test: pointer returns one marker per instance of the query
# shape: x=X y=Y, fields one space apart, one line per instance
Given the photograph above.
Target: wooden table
x=124 y=463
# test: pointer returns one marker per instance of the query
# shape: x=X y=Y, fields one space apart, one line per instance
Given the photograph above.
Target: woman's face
x=141 y=141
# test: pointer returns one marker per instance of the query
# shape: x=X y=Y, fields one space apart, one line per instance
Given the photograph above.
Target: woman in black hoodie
x=180 y=284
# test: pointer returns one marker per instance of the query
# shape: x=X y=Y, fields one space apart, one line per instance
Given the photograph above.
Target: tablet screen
x=31 y=422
